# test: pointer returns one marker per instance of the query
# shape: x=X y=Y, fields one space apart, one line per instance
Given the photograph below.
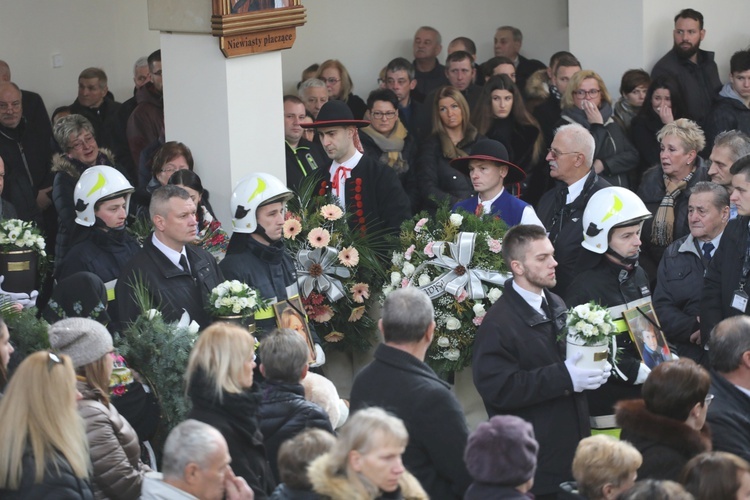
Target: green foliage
x=140 y=228
x=28 y=333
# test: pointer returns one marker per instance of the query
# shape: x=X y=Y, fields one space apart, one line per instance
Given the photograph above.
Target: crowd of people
x=636 y=200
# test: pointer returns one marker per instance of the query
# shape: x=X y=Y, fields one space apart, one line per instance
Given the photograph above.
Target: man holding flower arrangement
x=518 y=361
x=612 y=224
x=256 y=254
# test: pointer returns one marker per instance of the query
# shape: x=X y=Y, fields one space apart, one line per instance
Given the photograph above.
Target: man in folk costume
x=490 y=170
x=370 y=191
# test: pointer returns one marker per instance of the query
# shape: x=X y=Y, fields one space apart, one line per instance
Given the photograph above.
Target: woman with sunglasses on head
x=117 y=470
x=586 y=101
x=44 y=453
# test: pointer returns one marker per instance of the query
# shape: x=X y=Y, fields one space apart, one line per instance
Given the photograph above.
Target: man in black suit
x=508 y=42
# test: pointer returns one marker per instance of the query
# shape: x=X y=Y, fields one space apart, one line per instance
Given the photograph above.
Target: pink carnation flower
x=478 y=320
x=495 y=245
x=404 y=282
x=409 y=251
x=420 y=224
x=462 y=295
x=428 y=249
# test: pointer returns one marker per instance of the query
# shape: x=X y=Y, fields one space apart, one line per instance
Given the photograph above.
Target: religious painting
x=247 y=27
x=647 y=335
x=290 y=314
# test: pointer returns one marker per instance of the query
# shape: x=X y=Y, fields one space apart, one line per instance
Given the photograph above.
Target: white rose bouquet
x=590 y=324
x=234 y=298
x=16 y=234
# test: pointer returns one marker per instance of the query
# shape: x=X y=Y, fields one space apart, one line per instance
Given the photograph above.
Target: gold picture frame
x=255 y=26
x=647 y=335
x=290 y=314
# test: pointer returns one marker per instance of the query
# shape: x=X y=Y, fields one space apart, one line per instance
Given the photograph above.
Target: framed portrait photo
x=647 y=335
x=290 y=314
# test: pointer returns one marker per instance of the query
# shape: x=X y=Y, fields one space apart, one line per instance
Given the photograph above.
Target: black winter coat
x=402 y=384
x=171 y=288
x=723 y=277
x=519 y=369
x=303 y=161
x=104 y=120
x=652 y=191
x=565 y=226
x=677 y=296
x=236 y=417
x=437 y=179
x=729 y=417
x=666 y=444
x=700 y=82
x=54 y=486
x=609 y=287
x=643 y=130
x=727 y=114
x=284 y=413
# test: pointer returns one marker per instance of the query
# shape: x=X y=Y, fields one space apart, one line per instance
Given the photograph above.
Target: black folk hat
x=335 y=114
x=494 y=151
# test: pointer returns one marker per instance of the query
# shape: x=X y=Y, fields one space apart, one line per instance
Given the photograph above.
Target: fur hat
x=502 y=451
x=83 y=339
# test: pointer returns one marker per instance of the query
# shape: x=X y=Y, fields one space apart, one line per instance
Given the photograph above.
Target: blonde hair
x=97 y=378
x=687 y=131
x=456 y=95
x=346 y=81
x=221 y=352
x=364 y=431
x=39 y=410
x=600 y=460
x=567 y=100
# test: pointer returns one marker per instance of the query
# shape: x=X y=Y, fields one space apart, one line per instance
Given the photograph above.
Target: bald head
x=10 y=105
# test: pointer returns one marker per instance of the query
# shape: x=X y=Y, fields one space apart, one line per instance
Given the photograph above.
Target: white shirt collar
x=350 y=163
x=172 y=255
x=531 y=298
x=575 y=189
x=487 y=205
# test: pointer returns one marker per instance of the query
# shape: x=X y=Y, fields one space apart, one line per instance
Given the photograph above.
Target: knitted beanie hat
x=83 y=339
x=502 y=451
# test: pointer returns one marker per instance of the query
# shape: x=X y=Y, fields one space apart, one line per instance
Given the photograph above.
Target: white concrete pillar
x=228 y=111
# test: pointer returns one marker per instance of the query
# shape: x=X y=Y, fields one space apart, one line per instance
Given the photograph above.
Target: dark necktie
x=184 y=264
x=707 y=247
x=546 y=309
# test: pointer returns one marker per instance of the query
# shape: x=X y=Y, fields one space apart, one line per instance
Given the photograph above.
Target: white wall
x=109 y=34
x=612 y=36
x=365 y=35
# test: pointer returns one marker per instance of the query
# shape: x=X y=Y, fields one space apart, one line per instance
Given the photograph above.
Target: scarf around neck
x=662 y=232
x=391 y=146
x=453 y=151
x=579 y=116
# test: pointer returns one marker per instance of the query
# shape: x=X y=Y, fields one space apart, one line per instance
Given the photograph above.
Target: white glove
x=583 y=379
x=20 y=298
x=607 y=372
x=320 y=357
x=643 y=372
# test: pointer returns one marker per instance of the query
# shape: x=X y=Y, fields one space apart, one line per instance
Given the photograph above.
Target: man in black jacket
x=302 y=156
x=177 y=275
x=508 y=42
x=518 y=361
x=95 y=103
x=731 y=110
x=729 y=415
x=694 y=68
x=284 y=411
x=400 y=382
x=725 y=286
x=561 y=209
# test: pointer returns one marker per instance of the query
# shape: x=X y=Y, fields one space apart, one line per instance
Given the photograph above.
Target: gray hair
x=141 y=62
x=407 y=314
x=721 y=195
x=730 y=339
x=190 y=442
x=438 y=36
x=517 y=35
x=284 y=354
x=401 y=64
x=734 y=140
x=161 y=196
x=580 y=140
x=310 y=83
x=71 y=126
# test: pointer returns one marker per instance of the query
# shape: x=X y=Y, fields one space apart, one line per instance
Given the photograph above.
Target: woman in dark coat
x=500 y=114
x=587 y=103
x=668 y=426
x=665 y=189
x=220 y=386
x=453 y=136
